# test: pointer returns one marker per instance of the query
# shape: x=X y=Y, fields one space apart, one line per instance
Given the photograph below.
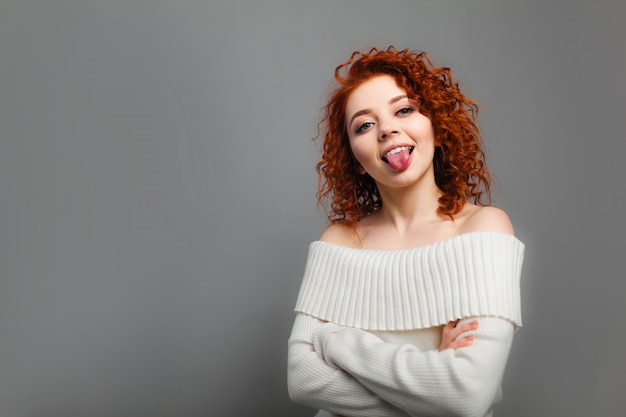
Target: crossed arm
x=351 y=372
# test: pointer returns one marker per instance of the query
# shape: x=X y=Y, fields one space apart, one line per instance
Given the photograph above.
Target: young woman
x=410 y=297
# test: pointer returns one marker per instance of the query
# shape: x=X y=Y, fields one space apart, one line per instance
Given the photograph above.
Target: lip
x=394 y=146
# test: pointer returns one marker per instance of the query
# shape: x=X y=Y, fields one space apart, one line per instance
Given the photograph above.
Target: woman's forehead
x=378 y=90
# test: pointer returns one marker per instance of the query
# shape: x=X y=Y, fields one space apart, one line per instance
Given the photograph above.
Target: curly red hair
x=459 y=161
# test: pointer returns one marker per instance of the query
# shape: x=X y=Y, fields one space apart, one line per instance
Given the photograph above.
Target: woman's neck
x=404 y=208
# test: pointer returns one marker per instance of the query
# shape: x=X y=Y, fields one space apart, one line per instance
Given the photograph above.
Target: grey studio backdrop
x=157 y=193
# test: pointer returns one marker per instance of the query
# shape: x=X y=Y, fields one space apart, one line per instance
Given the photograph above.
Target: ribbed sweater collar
x=471 y=274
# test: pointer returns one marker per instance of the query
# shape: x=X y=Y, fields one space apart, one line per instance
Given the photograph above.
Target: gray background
x=157 y=193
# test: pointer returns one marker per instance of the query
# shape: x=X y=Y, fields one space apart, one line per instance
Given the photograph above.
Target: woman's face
x=388 y=135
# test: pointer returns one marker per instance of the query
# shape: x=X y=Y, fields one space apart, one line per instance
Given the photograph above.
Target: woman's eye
x=363 y=127
x=405 y=110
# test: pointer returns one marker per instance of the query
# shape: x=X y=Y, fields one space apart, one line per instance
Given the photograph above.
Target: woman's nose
x=387 y=131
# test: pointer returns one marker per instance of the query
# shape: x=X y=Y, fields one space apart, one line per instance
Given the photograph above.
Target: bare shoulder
x=488 y=218
x=340 y=234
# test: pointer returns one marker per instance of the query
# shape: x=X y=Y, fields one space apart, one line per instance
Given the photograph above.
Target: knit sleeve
x=313 y=382
x=462 y=382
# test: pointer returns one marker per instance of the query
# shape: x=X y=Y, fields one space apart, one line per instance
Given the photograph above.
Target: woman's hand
x=451 y=332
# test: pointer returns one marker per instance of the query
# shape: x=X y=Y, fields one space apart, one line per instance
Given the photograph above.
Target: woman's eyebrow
x=357 y=114
x=365 y=111
x=398 y=98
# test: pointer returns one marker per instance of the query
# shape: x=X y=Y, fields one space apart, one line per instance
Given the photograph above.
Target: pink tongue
x=400 y=160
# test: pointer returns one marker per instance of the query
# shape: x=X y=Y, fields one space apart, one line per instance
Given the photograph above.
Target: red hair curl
x=459 y=161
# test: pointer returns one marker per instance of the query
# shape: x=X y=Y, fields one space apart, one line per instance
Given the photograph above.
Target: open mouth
x=398 y=158
x=396 y=151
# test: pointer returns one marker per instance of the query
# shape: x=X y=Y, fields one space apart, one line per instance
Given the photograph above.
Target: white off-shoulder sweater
x=368 y=326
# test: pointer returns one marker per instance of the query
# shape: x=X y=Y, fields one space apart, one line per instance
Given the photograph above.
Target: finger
x=448 y=327
x=461 y=343
x=465 y=341
x=472 y=325
x=464 y=328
